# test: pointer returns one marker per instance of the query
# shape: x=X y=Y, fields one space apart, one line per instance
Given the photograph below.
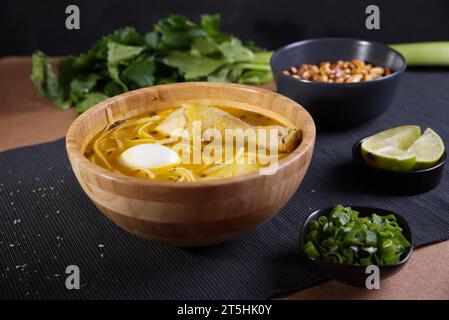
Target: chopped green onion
x=344 y=237
x=311 y=250
x=322 y=220
x=366 y=261
x=371 y=238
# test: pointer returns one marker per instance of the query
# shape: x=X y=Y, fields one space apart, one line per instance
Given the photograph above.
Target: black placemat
x=48 y=223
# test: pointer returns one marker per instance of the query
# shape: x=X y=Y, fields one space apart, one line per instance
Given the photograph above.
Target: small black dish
x=339 y=104
x=397 y=183
x=351 y=274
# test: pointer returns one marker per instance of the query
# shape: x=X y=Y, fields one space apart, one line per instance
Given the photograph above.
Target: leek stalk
x=424 y=53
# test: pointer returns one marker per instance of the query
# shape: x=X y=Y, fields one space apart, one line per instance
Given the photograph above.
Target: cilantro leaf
x=177 y=32
x=46 y=81
x=83 y=85
x=37 y=72
x=152 y=39
x=256 y=77
x=193 y=67
x=140 y=73
x=211 y=24
x=234 y=51
x=118 y=54
x=90 y=100
x=204 y=46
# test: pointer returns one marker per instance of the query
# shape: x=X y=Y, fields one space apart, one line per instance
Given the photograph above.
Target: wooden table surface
x=26 y=119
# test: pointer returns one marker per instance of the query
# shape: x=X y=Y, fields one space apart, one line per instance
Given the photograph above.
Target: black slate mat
x=48 y=223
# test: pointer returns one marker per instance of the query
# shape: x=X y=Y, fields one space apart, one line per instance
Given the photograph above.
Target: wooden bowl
x=189 y=214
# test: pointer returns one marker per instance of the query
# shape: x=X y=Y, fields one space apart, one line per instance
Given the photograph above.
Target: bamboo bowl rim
x=75 y=154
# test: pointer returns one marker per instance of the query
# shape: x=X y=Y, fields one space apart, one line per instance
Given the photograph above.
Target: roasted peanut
x=355 y=78
x=339 y=72
x=377 y=70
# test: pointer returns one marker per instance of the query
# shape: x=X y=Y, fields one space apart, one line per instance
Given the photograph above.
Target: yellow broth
x=121 y=135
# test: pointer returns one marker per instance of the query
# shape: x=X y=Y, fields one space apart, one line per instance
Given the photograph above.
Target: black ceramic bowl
x=339 y=104
x=397 y=183
x=351 y=274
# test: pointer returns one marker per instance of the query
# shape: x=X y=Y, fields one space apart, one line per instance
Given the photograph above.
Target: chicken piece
x=232 y=170
x=175 y=121
x=214 y=118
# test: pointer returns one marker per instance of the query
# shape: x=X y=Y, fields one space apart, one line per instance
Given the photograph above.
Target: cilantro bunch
x=175 y=50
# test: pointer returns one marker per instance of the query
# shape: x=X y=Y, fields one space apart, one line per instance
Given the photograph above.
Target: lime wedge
x=389 y=149
x=428 y=148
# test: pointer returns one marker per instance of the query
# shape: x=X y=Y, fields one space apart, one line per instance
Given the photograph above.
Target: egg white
x=148 y=156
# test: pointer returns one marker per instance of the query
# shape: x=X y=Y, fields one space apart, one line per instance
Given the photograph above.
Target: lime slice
x=429 y=149
x=389 y=149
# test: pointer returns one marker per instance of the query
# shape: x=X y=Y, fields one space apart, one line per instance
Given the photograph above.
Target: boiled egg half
x=148 y=156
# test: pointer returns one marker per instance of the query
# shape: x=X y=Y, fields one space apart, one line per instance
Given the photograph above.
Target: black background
x=26 y=25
